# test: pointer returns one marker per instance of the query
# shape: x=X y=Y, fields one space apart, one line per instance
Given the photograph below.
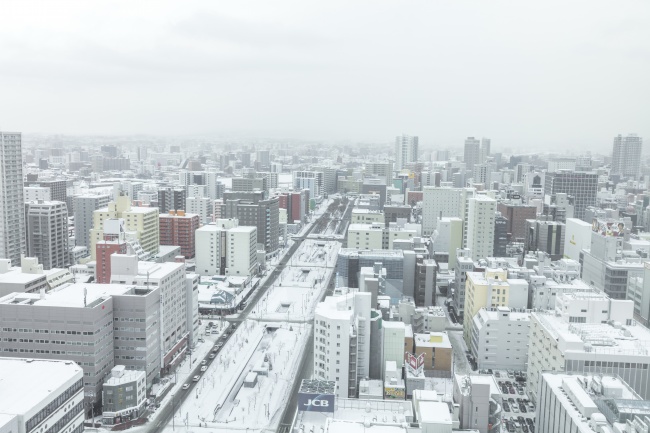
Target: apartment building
x=500 y=338
x=342 y=341
x=84 y=207
x=46 y=224
x=178 y=228
x=242 y=251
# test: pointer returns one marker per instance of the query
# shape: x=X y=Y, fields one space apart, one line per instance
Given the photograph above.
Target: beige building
x=141 y=223
x=491 y=289
x=376 y=236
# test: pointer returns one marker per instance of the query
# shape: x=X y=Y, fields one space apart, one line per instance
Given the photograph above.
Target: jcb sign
x=316 y=402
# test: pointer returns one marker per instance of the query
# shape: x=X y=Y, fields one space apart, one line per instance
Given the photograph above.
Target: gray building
x=124 y=395
x=12 y=213
x=500 y=235
x=424 y=289
x=47 y=233
x=249 y=183
x=546 y=236
x=393 y=212
x=626 y=156
x=582 y=186
x=263 y=214
x=84 y=206
x=171 y=199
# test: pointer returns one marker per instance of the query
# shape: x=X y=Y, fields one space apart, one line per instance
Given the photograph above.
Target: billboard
x=392 y=392
x=608 y=228
x=415 y=363
x=308 y=402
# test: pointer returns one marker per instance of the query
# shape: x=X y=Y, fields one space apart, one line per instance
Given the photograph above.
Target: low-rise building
x=124 y=395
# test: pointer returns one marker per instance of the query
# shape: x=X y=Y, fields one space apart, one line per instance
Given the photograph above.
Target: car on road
x=186 y=386
x=219 y=345
x=196 y=378
x=205 y=361
x=204 y=368
x=212 y=356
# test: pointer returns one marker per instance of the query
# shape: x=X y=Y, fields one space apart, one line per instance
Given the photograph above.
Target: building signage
x=315 y=402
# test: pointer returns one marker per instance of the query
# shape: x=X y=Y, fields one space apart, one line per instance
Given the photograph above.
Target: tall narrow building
x=47 y=233
x=626 y=155
x=12 y=208
x=406 y=150
x=472 y=154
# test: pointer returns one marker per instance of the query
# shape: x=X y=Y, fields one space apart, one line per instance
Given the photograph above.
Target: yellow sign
x=394 y=392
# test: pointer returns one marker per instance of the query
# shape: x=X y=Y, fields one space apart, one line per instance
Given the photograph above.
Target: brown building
x=104 y=251
x=517 y=214
x=437 y=352
x=178 y=228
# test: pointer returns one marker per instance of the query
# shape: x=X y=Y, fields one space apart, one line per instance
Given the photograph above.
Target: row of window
x=53 y=405
x=609 y=364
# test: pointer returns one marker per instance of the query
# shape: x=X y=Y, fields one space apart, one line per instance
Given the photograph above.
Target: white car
x=186 y=386
x=204 y=368
x=196 y=378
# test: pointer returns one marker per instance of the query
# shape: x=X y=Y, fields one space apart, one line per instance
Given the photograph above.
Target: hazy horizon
x=549 y=76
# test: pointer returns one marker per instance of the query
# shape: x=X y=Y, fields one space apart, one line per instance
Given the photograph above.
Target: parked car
x=506 y=406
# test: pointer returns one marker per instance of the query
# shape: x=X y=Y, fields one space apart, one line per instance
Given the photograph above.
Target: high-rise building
x=242 y=252
x=406 y=150
x=314 y=181
x=516 y=215
x=178 y=228
x=472 y=154
x=626 y=155
x=141 y=224
x=12 y=207
x=47 y=233
x=440 y=203
x=264 y=214
x=479 y=227
x=500 y=235
x=342 y=341
x=582 y=186
x=201 y=206
x=212 y=247
x=171 y=199
x=84 y=206
x=384 y=169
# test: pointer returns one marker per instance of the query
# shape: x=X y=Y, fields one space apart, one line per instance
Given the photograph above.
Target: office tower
x=516 y=215
x=141 y=227
x=440 y=203
x=626 y=156
x=263 y=214
x=55 y=392
x=249 y=184
x=314 y=181
x=342 y=341
x=47 y=233
x=84 y=206
x=485 y=149
x=177 y=315
x=500 y=235
x=406 y=150
x=582 y=186
x=171 y=199
x=263 y=158
x=472 y=154
x=479 y=227
x=242 y=251
x=12 y=207
x=178 y=228
x=589 y=333
x=546 y=236
x=383 y=169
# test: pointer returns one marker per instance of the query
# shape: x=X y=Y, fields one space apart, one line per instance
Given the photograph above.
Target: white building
x=170 y=278
x=589 y=404
x=242 y=251
x=500 y=339
x=35 y=193
x=202 y=206
x=589 y=333
x=342 y=341
x=314 y=181
x=442 y=202
x=577 y=237
x=626 y=155
x=406 y=150
x=46 y=223
x=448 y=237
x=479 y=228
x=393 y=335
x=39 y=395
x=12 y=211
x=556 y=164
x=377 y=236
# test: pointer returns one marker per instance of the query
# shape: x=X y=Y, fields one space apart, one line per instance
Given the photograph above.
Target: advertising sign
x=608 y=228
x=394 y=393
x=315 y=402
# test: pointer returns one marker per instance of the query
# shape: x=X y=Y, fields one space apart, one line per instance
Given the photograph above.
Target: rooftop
x=37 y=377
x=69 y=296
x=432 y=339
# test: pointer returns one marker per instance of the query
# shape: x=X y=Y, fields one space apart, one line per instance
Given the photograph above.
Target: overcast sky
x=548 y=75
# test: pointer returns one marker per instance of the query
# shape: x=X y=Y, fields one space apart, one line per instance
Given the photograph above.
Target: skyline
x=525 y=76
